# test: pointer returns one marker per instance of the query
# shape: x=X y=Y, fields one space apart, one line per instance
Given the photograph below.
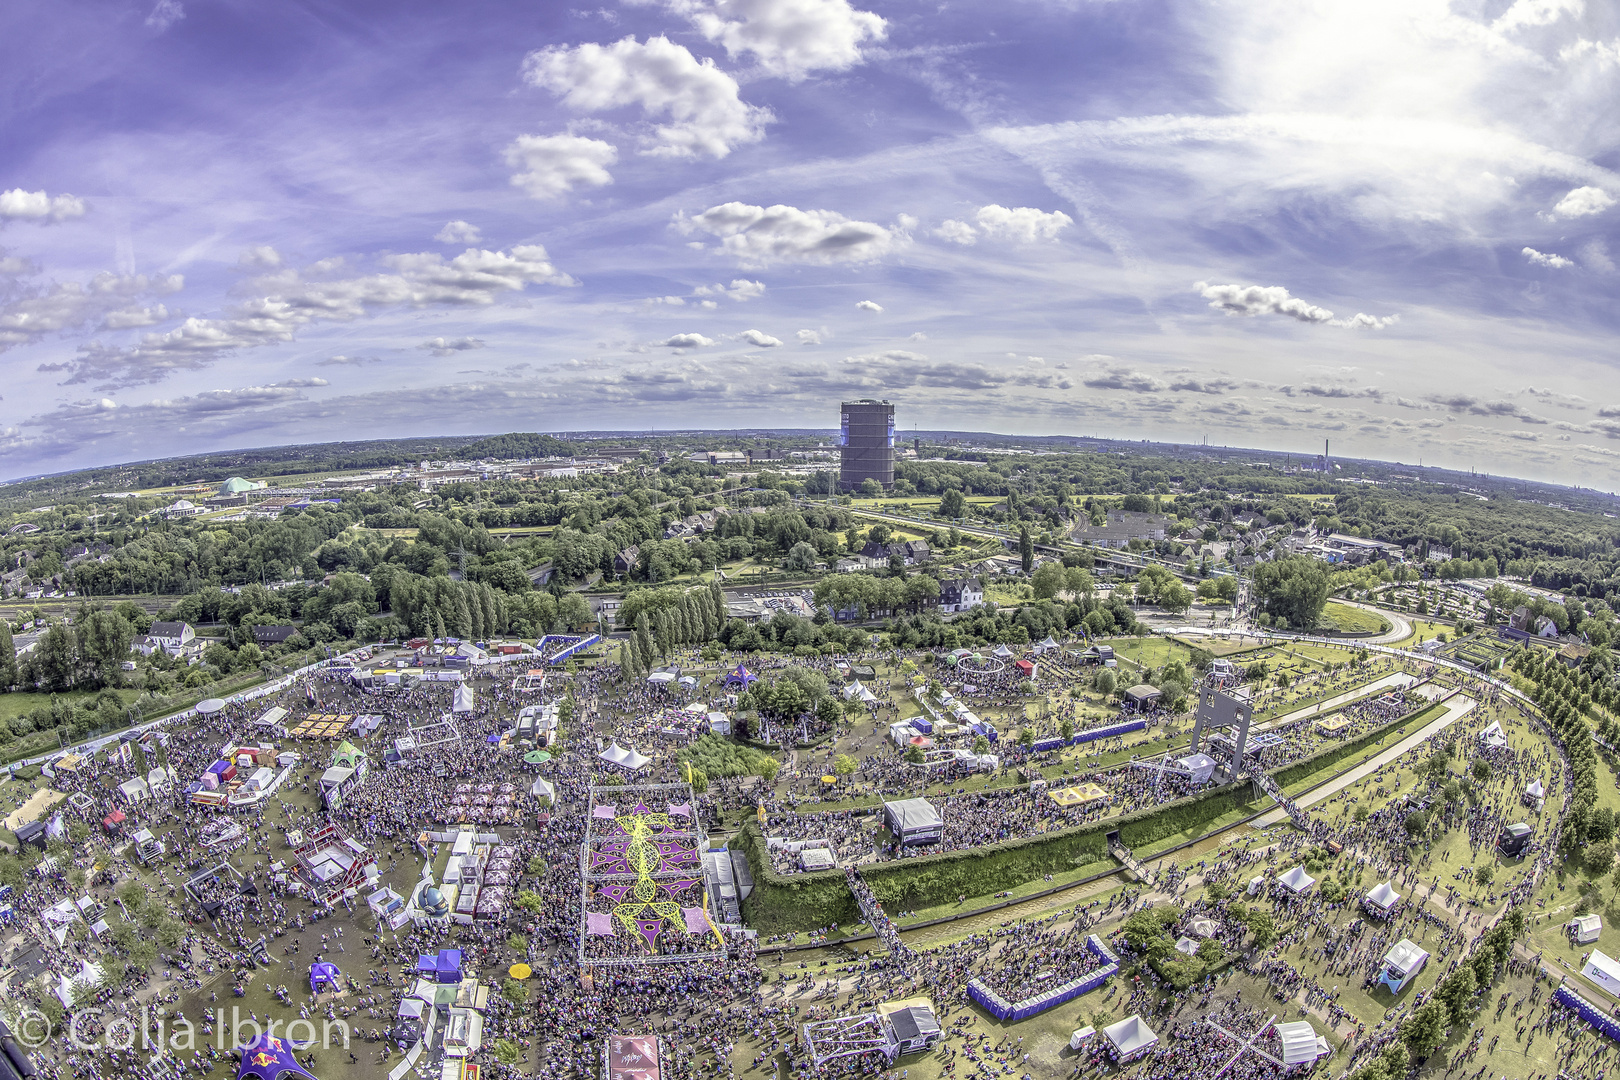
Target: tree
x=1599 y=859
x=1026 y=549
x=1294 y=587
x=1175 y=597
x=1482 y=770
x=828 y=711
x=8 y=658
x=1457 y=992
x=981 y=745
x=801 y=557
x=1416 y=822
x=1026 y=738
x=914 y=755
x=1048 y=580
x=1263 y=928
x=843 y=765
x=952 y=504
x=1425 y=1028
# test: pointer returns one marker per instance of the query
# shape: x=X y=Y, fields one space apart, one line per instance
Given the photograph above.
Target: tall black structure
x=866 y=444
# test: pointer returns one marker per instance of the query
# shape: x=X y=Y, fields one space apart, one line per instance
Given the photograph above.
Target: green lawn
x=16 y=704
x=1352 y=620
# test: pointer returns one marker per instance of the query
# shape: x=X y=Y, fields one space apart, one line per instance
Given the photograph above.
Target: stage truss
x=642 y=854
x=849 y=1036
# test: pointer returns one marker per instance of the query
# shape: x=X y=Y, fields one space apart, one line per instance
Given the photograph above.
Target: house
x=264 y=636
x=1521 y=619
x=911 y=551
x=1121 y=528
x=169 y=637
x=1572 y=655
x=960 y=594
x=1546 y=628
x=625 y=561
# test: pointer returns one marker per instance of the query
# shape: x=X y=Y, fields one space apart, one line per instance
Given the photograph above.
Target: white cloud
x=263 y=257
x=350 y=361
x=458 y=232
x=758 y=235
x=38 y=206
x=764 y=341
x=869 y=305
x=557 y=164
x=740 y=289
x=687 y=341
x=1583 y=201
x=441 y=346
x=129 y=318
x=673 y=301
x=476 y=277
x=35 y=313
x=1541 y=258
x=789 y=38
x=957 y=232
x=1595 y=256
x=1524 y=13
x=808 y=337
x=1022 y=223
x=701 y=103
x=1275 y=300
x=1603 y=52
x=165 y=15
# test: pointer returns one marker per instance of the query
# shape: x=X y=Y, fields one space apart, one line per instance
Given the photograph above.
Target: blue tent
x=323 y=976
x=448 y=966
x=741 y=677
x=268 y=1057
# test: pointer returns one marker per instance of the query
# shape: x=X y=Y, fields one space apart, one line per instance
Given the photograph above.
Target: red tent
x=1026 y=667
x=113 y=820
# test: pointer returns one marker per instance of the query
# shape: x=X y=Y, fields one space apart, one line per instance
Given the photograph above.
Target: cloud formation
x=164 y=15
x=476 y=277
x=1583 y=202
x=687 y=341
x=20 y=205
x=1250 y=300
x=787 y=38
x=1541 y=258
x=1023 y=224
x=869 y=305
x=760 y=235
x=34 y=313
x=554 y=165
x=441 y=346
x=704 y=114
x=458 y=232
x=762 y=340
x=740 y=289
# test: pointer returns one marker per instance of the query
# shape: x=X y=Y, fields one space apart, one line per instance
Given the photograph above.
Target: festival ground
x=1437 y=869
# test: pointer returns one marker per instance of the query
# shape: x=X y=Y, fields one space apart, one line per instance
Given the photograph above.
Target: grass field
x=1352 y=620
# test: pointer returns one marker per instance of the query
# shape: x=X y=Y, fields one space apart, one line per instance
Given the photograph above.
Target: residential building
x=960 y=594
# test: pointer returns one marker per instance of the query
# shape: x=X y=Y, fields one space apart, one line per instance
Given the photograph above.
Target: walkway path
x=1393 y=680
x=1458 y=706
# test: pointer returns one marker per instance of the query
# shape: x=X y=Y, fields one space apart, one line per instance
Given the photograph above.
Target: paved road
x=1459 y=706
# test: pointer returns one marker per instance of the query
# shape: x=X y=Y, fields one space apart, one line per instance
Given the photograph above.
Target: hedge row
x=805 y=901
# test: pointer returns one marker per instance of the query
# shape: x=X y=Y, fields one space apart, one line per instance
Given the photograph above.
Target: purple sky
x=1389 y=223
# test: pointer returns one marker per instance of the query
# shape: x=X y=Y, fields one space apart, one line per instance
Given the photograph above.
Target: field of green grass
x=1352 y=620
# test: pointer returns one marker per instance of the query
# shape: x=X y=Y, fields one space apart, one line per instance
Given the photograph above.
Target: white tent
x=1130 y=1037
x=159 y=779
x=1535 y=790
x=1256 y=883
x=1493 y=736
x=1200 y=766
x=134 y=791
x=627 y=758
x=867 y=696
x=1002 y=653
x=1299 y=1043
x=463 y=701
x=1203 y=927
x=1402 y=963
x=854 y=690
x=1186 y=945
x=1604 y=971
x=1296 y=881
x=1586 y=929
x=543 y=789
x=1078 y=1039
x=1049 y=643
x=89 y=974
x=1382 y=898
x=661 y=678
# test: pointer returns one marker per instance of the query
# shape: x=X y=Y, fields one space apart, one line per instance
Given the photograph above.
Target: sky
x=1393 y=224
